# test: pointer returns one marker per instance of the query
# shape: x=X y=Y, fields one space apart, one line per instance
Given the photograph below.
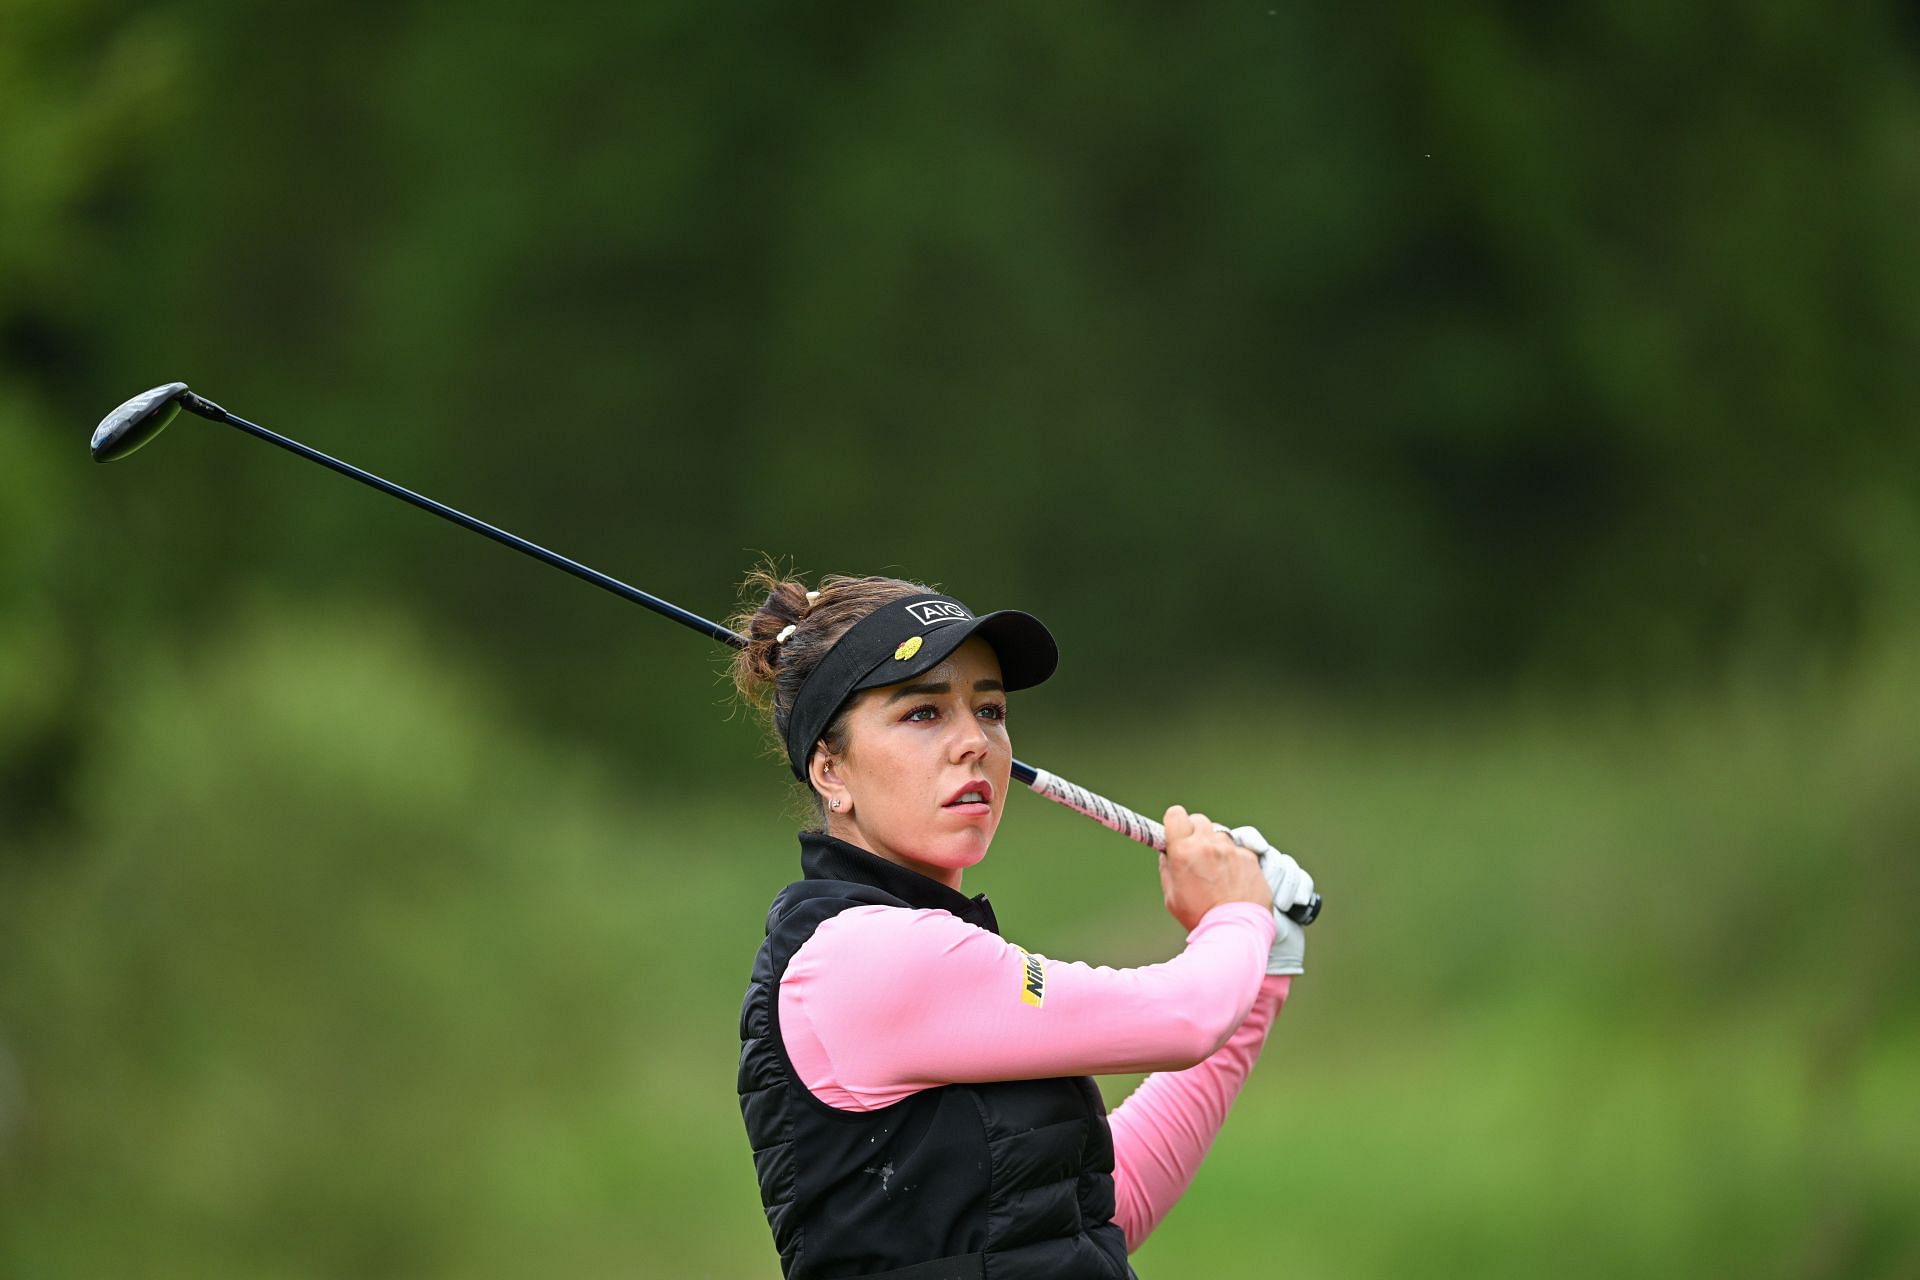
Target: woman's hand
x=1291 y=886
x=1203 y=868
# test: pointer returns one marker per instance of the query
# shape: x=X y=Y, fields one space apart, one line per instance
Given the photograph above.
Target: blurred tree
x=1432 y=350
x=1398 y=353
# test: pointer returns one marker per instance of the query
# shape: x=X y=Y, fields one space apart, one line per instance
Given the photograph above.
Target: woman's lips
x=971 y=808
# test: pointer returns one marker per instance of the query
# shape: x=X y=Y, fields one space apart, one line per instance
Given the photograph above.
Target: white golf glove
x=1291 y=886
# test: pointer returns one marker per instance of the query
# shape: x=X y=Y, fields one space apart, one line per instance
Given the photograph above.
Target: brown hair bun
x=769 y=671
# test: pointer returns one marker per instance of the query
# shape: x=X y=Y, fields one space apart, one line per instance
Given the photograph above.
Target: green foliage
x=1430 y=351
x=1512 y=411
x=344 y=971
x=347 y=977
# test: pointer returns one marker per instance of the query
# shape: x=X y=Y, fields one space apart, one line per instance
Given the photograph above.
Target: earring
x=835 y=806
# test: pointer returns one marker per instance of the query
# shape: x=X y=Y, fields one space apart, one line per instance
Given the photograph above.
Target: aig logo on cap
x=931 y=612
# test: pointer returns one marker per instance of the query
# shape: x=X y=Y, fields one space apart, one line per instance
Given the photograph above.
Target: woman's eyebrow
x=914 y=690
x=910 y=690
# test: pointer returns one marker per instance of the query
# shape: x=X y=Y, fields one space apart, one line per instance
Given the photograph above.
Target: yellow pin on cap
x=908 y=647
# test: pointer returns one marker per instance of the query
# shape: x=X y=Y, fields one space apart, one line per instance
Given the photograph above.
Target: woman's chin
x=934 y=853
x=964 y=850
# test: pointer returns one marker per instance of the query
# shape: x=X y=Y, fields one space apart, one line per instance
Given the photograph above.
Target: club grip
x=1134 y=826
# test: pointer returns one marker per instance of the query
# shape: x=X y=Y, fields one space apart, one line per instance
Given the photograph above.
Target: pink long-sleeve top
x=883 y=1002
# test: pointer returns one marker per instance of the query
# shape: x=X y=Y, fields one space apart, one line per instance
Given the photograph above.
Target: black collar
x=824 y=857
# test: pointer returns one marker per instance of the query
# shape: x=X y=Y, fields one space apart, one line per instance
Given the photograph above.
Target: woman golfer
x=917 y=1088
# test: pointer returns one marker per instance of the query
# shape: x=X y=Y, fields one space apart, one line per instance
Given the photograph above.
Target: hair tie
x=811 y=597
x=786 y=631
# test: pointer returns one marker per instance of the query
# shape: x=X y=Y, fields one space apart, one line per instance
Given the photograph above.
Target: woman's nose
x=971 y=739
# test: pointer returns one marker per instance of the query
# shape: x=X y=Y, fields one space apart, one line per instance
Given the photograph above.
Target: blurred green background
x=1477 y=443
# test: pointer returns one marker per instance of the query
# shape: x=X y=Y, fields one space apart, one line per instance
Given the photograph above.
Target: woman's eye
x=994 y=711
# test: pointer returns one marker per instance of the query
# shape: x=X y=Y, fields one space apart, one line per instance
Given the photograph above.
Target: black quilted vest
x=1000 y=1181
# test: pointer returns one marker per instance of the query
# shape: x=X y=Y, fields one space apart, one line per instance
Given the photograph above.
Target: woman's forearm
x=881 y=1003
x=1163 y=1130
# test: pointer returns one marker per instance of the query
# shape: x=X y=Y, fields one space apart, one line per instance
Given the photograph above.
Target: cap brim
x=1021 y=641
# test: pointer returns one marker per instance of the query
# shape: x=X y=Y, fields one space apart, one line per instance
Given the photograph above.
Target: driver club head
x=136 y=422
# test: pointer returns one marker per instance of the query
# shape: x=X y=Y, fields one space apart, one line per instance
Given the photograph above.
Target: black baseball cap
x=900 y=640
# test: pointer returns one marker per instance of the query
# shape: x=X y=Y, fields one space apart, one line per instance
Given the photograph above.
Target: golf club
x=146 y=415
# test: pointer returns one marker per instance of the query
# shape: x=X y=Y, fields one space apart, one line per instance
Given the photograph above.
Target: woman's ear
x=824 y=771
